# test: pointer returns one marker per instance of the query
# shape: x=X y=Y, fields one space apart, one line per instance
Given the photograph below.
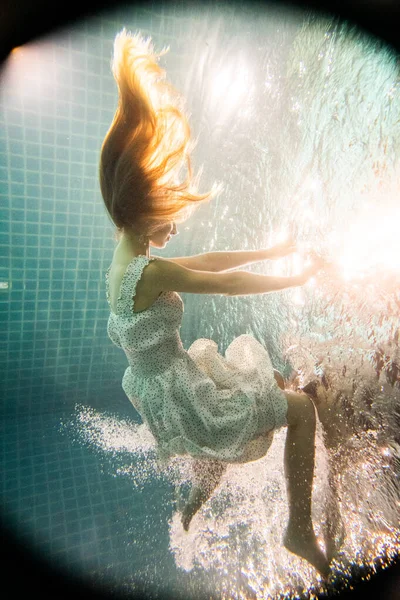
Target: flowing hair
x=147 y=144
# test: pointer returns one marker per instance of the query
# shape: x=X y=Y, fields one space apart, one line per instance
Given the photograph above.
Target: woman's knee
x=300 y=409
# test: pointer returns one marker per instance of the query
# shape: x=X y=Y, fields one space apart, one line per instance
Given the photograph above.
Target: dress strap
x=130 y=278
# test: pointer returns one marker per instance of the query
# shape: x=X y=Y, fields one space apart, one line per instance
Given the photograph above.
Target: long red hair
x=147 y=144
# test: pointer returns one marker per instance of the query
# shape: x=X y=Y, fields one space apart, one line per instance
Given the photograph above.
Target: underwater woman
x=216 y=409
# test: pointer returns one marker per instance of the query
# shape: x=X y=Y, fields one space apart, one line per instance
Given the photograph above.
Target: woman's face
x=162 y=236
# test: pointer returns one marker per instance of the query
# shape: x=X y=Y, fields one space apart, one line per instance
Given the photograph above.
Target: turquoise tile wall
x=57 y=101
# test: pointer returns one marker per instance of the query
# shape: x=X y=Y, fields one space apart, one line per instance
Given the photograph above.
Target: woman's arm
x=227 y=261
x=219 y=262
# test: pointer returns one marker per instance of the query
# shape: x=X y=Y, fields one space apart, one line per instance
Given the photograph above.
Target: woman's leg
x=207 y=474
x=336 y=431
x=279 y=379
x=299 y=472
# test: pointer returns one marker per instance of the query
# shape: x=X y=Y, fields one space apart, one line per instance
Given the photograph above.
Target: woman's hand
x=318 y=263
x=283 y=249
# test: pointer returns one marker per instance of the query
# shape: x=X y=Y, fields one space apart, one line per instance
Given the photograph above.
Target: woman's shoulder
x=153 y=273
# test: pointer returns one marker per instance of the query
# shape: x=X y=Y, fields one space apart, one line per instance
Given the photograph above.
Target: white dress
x=194 y=401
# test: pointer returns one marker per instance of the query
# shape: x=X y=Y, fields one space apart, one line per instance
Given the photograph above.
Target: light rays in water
x=369 y=245
x=343 y=332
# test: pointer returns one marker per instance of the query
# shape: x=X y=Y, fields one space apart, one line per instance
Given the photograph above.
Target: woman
x=216 y=409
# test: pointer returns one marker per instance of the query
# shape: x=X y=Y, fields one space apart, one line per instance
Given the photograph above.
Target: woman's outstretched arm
x=219 y=262
x=226 y=261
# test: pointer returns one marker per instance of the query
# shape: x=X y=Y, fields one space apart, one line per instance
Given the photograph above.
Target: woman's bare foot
x=304 y=544
x=334 y=534
x=187 y=515
x=195 y=502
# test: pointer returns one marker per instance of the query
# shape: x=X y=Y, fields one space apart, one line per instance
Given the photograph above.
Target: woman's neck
x=133 y=247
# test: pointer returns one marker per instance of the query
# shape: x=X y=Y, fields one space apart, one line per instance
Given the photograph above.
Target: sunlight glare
x=371 y=243
x=230 y=88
